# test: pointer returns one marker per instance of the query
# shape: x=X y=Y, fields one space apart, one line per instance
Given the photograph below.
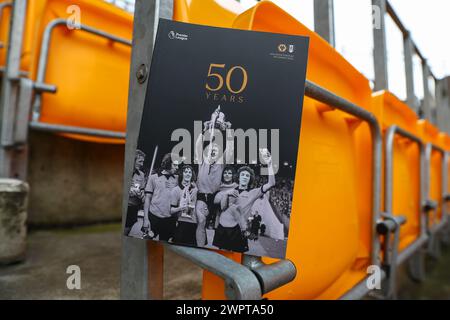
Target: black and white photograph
x=218 y=145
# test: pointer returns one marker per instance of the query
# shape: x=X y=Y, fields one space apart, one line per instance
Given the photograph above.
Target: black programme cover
x=218 y=143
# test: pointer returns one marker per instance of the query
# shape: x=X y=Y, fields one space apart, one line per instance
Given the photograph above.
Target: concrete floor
x=96 y=249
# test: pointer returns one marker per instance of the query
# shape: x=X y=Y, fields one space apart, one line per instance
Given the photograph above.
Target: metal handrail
x=240 y=282
x=388 y=168
x=47 y=127
x=322 y=95
x=41 y=86
x=401 y=257
x=270 y=276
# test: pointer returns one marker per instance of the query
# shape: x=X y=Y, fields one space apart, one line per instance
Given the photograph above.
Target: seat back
x=430 y=134
x=91 y=72
x=217 y=13
x=329 y=238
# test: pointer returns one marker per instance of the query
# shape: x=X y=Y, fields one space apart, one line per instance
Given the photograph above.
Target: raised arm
x=199 y=149
x=267 y=158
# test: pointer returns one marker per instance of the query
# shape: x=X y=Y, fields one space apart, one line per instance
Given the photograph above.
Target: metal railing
x=127 y=5
x=433 y=205
x=322 y=95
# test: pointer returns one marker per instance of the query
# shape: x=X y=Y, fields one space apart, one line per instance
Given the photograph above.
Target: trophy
x=186 y=201
x=217 y=121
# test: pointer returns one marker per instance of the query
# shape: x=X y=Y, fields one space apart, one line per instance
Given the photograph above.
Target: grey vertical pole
x=409 y=71
x=443 y=107
x=443 y=101
x=324 y=20
x=380 y=47
x=426 y=103
x=12 y=157
x=142 y=261
x=445 y=84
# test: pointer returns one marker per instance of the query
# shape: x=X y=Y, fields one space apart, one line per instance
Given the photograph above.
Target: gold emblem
x=282 y=48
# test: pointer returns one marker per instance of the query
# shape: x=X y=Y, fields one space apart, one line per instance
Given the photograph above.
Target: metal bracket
x=13 y=156
x=240 y=282
x=446 y=198
x=390 y=228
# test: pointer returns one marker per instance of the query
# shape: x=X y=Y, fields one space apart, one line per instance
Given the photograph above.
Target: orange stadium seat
x=91 y=73
x=406 y=164
x=5 y=14
x=445 y=142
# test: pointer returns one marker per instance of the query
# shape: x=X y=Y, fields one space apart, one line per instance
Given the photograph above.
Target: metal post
x=324 y=20
x=3 y=6
x=443 y=104
x=380 y=47
x=142 y=262
x=40 y=84
x=409 y=72
x=12 y=155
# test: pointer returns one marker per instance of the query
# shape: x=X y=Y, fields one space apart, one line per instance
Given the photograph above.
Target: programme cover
x=218 y=144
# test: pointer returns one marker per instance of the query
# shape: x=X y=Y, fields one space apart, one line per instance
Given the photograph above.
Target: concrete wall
x=73 y=182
